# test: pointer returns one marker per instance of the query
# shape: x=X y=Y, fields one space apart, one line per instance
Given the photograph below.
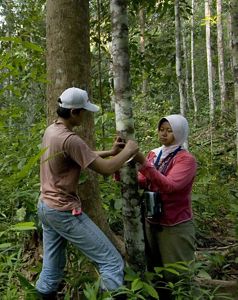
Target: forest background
x=163 y=81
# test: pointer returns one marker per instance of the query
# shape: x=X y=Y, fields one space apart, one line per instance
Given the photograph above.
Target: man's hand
x=113 y=164
x=118 y=145
x=132 y=147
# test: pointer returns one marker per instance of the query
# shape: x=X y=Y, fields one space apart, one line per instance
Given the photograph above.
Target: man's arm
x=104 y=153
x=118 y=145
x=111 y=165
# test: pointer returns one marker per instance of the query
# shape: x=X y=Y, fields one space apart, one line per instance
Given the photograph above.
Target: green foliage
x=22 y=55
x=19 y=166
x=150 y=285
x=22 y=121
x=30 y=291
x=78 y=264
x=91 y=292
x=10 y=261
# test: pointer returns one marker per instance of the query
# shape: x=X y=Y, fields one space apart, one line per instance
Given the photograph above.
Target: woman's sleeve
x=178 y=177
x=142 y=179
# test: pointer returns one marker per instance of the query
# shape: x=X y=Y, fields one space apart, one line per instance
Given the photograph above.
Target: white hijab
x=180 y=129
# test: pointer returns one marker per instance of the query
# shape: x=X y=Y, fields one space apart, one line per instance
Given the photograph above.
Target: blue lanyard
x=171 y=155
x=158 y=159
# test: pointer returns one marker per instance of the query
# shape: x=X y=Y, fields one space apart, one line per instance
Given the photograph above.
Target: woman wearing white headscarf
x=169 y=170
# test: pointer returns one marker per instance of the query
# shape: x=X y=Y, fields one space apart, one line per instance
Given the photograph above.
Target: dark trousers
x=165 y=245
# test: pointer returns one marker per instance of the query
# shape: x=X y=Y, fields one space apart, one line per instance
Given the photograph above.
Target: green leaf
x=136 y=285
x=130 y=274
x=23 y=226
x=27 y=45
x=118 y=204
x=181 y=265
x=170 y=270
x=159 y=271
x=203 y=274
x=32 y=46
x=24 y=172
x=150 y=290
x=25 y=283
x=5 y=246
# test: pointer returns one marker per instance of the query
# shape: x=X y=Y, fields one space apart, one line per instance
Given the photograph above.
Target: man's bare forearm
x=104 y=153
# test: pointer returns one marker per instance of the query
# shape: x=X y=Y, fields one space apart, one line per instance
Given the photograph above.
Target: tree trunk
x=179 y=58
x=68 y=64
x=234 y=27
x=100 y=86
x=133 y=231
x=229 y=39
x=221 y=56
x=142 y=49
x=209 y=59
x=192 y=63
x=186 y=59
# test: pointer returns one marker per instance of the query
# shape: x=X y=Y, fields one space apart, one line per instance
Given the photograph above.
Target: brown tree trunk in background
x=220 y=50
x=229 y=39
x=68 y=60
x=68 y=64
x=178 y=43
x=186 y=60
x=209 y=59
x=234 y=28
x=142 y=49
x=192 y=63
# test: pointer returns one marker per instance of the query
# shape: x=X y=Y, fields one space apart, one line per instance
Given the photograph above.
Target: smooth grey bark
x=180 y=79
x=192 y=63
x=229 y=38
x=186 y=59
x=220 y=50
x=234 y=28
x=142 y=49
x=209 y=59
x=133 y=229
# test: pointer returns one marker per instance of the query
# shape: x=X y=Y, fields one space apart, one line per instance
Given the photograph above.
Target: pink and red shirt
x=175 y=186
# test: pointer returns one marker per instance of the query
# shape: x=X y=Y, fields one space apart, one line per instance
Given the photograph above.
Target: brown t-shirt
x=65 y=156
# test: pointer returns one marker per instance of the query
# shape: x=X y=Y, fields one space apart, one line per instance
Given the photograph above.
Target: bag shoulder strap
x=158 y=159
x=169 y=157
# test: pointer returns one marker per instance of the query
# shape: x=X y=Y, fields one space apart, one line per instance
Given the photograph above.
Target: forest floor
x=218 y=254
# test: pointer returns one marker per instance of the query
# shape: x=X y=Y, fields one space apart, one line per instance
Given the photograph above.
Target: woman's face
x=166 y=135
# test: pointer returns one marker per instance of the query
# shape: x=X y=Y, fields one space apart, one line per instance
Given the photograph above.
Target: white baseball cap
x=76 y=98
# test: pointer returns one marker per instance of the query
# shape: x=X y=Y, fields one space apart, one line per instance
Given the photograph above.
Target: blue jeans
x=60 y=227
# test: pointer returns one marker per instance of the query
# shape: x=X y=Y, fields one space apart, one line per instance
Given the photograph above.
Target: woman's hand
x=139 y=157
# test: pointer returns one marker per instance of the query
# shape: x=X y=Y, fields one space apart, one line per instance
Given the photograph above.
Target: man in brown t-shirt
x=59 y=207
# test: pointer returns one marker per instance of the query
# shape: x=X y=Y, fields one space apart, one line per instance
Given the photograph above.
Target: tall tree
x=68 y=64
x=133 y=231
x=220 y=50
x=234 y=27
x=209 y=59
x=179 y=57
x=186 y=59
x=229 y=38
x=142 y=48
x=192 y=62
